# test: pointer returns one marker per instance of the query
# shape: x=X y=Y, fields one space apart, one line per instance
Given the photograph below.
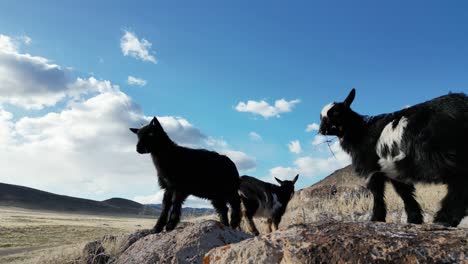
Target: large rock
x=352 y=242
x=94 y=253
x=183 y=245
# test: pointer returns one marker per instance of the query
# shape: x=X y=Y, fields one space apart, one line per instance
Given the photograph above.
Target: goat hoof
x=170 y=227
x=415 y=219
x=156 y=230
x=446 y=220
x=234 y=225
x=378 y=219
x=446 y=223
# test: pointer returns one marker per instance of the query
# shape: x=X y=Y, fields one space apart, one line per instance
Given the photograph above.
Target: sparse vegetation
x=55 y=237
x=343 y=208
x=29 y=236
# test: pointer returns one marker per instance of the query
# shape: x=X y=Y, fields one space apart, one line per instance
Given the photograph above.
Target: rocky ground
x=209 y=242
x=325 y=223
x=337 y=242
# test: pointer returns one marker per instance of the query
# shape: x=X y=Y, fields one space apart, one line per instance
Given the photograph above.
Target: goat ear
x=350 y=98
x=134 y=130
x=155 y=123
x=295 y=179
x=279 y=181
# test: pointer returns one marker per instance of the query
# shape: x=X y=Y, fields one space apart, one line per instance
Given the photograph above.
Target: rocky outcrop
x=352 y=242
x=94 y=253
x=183 y=245
x=210 y=242
x=324 y=223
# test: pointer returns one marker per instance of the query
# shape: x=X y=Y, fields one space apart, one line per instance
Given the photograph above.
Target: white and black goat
x=184 y=171
x=427 y=143
x=262 y=199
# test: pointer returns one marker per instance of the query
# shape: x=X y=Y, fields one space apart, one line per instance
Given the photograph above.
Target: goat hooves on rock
x=378 y=219
x=418 y=219
x=170 y=227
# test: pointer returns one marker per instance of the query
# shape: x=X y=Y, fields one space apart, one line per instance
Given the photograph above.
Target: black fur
x=257 y=195
x=434 y=142
x=184 y=171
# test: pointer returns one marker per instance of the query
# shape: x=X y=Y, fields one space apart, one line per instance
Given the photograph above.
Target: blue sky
x=211 y=56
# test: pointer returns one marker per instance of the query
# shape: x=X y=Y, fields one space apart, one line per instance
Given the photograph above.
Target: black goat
x=184 y=171
x=427 y=142
x=264 y=199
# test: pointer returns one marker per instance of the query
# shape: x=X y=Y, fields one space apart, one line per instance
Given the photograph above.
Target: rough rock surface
x=352 y=242
x=94 y=253
x=183 y=245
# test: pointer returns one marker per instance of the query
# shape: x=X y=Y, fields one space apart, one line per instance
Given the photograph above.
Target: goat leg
x=376 y=184
x=166 y=206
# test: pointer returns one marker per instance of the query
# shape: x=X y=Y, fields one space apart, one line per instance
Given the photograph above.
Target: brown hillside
x=342 y=196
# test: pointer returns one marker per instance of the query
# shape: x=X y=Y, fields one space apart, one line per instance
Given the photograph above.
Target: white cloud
x=86 y=149
x=295 y=146
x=150 y=199
x=156 y=198
x=311 y=167
x=82 y=147
x=7 y=44
x=83 y=150
x=6 y=126
x=312 y=127
x=25 y=39
x=181 y=131
x=133 y=47
x=31 y=82
x=266 y=110
x=319 y=139
x=136 y=81
x=282 y=173
x=255 y=136
x=242 y=160
x=11 y=44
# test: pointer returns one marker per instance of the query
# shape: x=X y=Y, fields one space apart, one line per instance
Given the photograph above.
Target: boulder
x=94 y=253
x=186 y=244
x=350 y=242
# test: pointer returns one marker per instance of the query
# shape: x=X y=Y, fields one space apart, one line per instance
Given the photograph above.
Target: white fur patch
x=391 y=136
x=276 y=203
x=266 y=197
x=241 y=193
x=369 y=177
x=326 y=109
x=266 y=211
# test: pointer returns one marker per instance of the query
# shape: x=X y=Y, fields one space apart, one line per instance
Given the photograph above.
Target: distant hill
x=189 y=211
x=29 y=198
x=342 y=180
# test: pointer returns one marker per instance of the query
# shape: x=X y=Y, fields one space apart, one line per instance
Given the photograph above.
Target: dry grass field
x=28 y=236
x=306 y=208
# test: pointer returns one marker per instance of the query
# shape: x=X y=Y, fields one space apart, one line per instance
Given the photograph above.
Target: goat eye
x=150 y=134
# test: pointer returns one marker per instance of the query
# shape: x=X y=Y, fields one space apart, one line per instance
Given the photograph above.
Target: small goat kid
x=427 y=143
x=184 y=171
x=262 y=199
